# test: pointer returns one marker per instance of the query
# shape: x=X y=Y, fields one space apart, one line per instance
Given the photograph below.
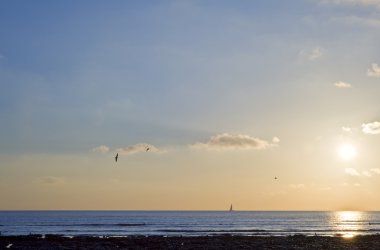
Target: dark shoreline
x=199 y=242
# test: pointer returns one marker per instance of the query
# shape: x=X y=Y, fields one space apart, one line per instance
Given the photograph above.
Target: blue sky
x=155 y=61
x=285 y=76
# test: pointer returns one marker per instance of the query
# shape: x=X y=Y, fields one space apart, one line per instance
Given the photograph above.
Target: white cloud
x=371 y=128
x=234 y=142
x=297 y=186
x=140 y=147
x=374 y=71
x=351 y=171
x=375 y=170
x=312 y=54
x=276 y=140
x=357 y=185
x=101 y=149
x=342 y=85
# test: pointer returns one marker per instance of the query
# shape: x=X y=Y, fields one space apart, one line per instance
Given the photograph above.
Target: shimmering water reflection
x=349 y=223
x=190 y=223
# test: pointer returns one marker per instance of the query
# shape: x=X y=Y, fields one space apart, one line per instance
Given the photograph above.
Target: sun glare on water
x=348 y=223
x=347 y=151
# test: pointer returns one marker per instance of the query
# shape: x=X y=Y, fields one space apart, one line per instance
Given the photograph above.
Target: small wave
x=91 y=225
x=212 y=231
x=269 y=232
x=93 y=231
x=131 y=224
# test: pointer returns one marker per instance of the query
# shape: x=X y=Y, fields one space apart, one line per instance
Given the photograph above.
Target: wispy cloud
x=371 y=128
x=342 y=85
x=315 y=53
x=356 y=20
x=137 y=148
x=235 y=142
x=312 y=54
x=366 y=173
x=369 y=3
x=351 y=171
x=347 y=129
x=101 y=149
x=375 y=170
x=374 y=70
x=276 y=140
x=297 y=186
x=50 y=180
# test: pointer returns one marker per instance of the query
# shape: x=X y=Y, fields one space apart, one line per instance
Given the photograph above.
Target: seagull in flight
x=117 y=156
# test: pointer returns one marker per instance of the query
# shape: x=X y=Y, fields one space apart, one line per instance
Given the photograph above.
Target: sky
x=227 y=95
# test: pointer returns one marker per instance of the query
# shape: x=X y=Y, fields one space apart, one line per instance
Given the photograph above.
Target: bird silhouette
x=275 y=178
x=117 y=156
x=147 y=149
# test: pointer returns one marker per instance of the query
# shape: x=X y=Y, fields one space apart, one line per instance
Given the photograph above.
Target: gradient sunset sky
x=226 y=94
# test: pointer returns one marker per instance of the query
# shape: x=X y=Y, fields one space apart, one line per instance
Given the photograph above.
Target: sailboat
x=231 y=208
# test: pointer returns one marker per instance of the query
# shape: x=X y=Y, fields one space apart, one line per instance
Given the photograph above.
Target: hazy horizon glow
x=226 y=95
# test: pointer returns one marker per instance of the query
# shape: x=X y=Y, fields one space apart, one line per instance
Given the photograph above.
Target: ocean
x=188 y=223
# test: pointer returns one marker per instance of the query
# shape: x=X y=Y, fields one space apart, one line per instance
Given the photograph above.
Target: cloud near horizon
x=101 y=149
x=132 y=149
x=372 y=128
x=137 y=148
x=342 y=85
x=374 y=70
x=235 y=142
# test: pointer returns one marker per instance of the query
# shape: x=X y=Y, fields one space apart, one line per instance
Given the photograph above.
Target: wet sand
x=205 y=242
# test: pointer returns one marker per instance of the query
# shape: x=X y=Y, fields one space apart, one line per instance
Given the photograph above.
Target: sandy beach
x=206 y=242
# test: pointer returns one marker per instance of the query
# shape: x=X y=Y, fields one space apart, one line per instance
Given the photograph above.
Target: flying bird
x=147 y=149
x=117 y=156
x=275 y=178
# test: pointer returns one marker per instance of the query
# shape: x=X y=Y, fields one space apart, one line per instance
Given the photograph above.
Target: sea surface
x=188 y=223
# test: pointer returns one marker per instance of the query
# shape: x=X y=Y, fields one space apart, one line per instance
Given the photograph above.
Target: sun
x=347 y=151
